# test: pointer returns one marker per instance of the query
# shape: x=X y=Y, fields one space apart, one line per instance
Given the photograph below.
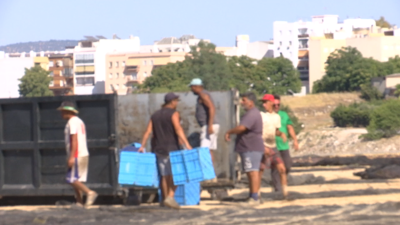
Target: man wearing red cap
x=271 y=125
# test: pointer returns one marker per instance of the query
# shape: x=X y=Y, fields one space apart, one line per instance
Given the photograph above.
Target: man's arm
x=146 y=135
x=237 y=130
x=207 y=101
x=281 y=134
x=73 y=148
x=292 y=134
x=179 y=130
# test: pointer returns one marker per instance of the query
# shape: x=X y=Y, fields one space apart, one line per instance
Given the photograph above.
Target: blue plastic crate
x=138 y=169
x=191 y=166
x=186 y=194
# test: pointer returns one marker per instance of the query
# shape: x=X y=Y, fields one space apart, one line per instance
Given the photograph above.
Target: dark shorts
x=272 y=160
x=251 y=160
x=164 y=165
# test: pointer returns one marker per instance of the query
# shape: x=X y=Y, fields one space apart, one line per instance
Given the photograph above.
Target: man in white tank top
x=77 y=153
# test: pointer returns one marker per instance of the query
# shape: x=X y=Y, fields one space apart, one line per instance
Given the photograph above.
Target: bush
x=385 y=121
x=370 y=93
x=354 y=115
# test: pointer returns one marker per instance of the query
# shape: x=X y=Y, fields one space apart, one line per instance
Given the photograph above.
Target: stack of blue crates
x=137 y=169
x=191 y=166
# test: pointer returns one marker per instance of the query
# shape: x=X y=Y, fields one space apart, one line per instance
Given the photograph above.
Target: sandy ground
x=342 y=199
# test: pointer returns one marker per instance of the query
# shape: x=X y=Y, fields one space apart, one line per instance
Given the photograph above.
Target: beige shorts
x=79 y=171
x=209 y=141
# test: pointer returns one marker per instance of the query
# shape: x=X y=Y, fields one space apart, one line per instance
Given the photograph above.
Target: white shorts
x=79 y=171
x=209 y=141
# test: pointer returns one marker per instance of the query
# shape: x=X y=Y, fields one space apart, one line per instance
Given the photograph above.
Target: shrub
x=385 y=121
x=370 y=93
x=354 y=115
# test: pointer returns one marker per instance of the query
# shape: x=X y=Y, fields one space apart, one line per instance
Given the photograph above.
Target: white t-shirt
x=76 y=126
x=271 y=122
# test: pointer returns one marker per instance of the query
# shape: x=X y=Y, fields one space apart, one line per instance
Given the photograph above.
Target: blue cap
x=196 y=82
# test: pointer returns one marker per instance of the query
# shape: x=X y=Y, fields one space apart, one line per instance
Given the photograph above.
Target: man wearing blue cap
x=206 y=116
x=167 y=130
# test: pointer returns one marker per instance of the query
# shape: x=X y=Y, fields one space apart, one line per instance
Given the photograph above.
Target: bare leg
x=282 y=173
x=164 y=187
x=81 y=187
x=254 y=181
x=171 y=186
x=260 y=175
x=212 y=155
x=78 y=196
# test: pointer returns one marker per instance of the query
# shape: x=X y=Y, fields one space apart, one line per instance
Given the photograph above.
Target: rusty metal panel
x=134 y=112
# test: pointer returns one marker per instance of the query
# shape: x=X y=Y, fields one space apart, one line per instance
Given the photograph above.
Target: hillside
x=314 y=110
x=37 y=46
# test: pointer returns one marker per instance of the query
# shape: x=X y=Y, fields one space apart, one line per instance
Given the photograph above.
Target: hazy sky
x=217 y=20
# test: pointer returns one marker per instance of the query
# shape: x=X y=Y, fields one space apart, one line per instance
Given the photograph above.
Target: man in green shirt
x=283 y=147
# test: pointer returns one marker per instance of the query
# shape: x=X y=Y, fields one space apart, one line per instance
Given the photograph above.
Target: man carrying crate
x=249 y=144
x=167 y=130
x=77 y=153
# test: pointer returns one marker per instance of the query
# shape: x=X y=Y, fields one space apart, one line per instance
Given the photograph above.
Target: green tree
x=382 y=23
x=219 y=73
x=392 y=66
x=35 y=83
x=370 y=93
x=346 y=70
x=397 y=91
x=276 y=76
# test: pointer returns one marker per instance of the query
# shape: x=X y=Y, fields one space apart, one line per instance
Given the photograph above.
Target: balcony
x=132 y=79
x=62 y=86
x=84 y=61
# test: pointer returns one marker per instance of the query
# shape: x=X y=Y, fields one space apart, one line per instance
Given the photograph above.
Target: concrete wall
x=12 y=69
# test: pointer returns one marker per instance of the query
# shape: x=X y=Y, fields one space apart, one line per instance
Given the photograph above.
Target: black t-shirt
x=164 y=138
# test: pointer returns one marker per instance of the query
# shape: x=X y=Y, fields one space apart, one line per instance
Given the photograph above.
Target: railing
x=81 y=61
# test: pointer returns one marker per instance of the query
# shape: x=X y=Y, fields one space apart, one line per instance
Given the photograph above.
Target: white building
x=256 y=50
x=291 y=39
x=12 y=69
x=90 y=62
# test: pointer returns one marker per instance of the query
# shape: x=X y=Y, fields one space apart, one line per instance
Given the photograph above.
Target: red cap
x=268 y=97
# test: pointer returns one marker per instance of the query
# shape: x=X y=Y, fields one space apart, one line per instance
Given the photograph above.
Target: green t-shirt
x=285 y=120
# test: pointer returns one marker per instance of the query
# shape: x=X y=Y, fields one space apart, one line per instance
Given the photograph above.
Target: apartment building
x=291 y=40
x=90 y=62
x=126 y=69
x=61 y=70
x=379 y=46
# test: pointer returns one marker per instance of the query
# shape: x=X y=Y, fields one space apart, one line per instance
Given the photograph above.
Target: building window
x=110 y=76
x=111 y=87
x=151 y=61
x=110 y=65
x=59 y=63
x=290 y=43
x=134 y=76
x=51 y=83
x=51 y=64
x=280 y=32
x=84 y=58
x=325 y=50
x=144 y=62
x=280 y=43
x=123 y=63
x=51 y=73
x=117 y=75
x=116 y=64
x=85 y=81
x=116 y=86
x=123 y=86
x=145 y=74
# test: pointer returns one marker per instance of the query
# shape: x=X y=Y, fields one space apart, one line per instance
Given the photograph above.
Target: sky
x=217 y=20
